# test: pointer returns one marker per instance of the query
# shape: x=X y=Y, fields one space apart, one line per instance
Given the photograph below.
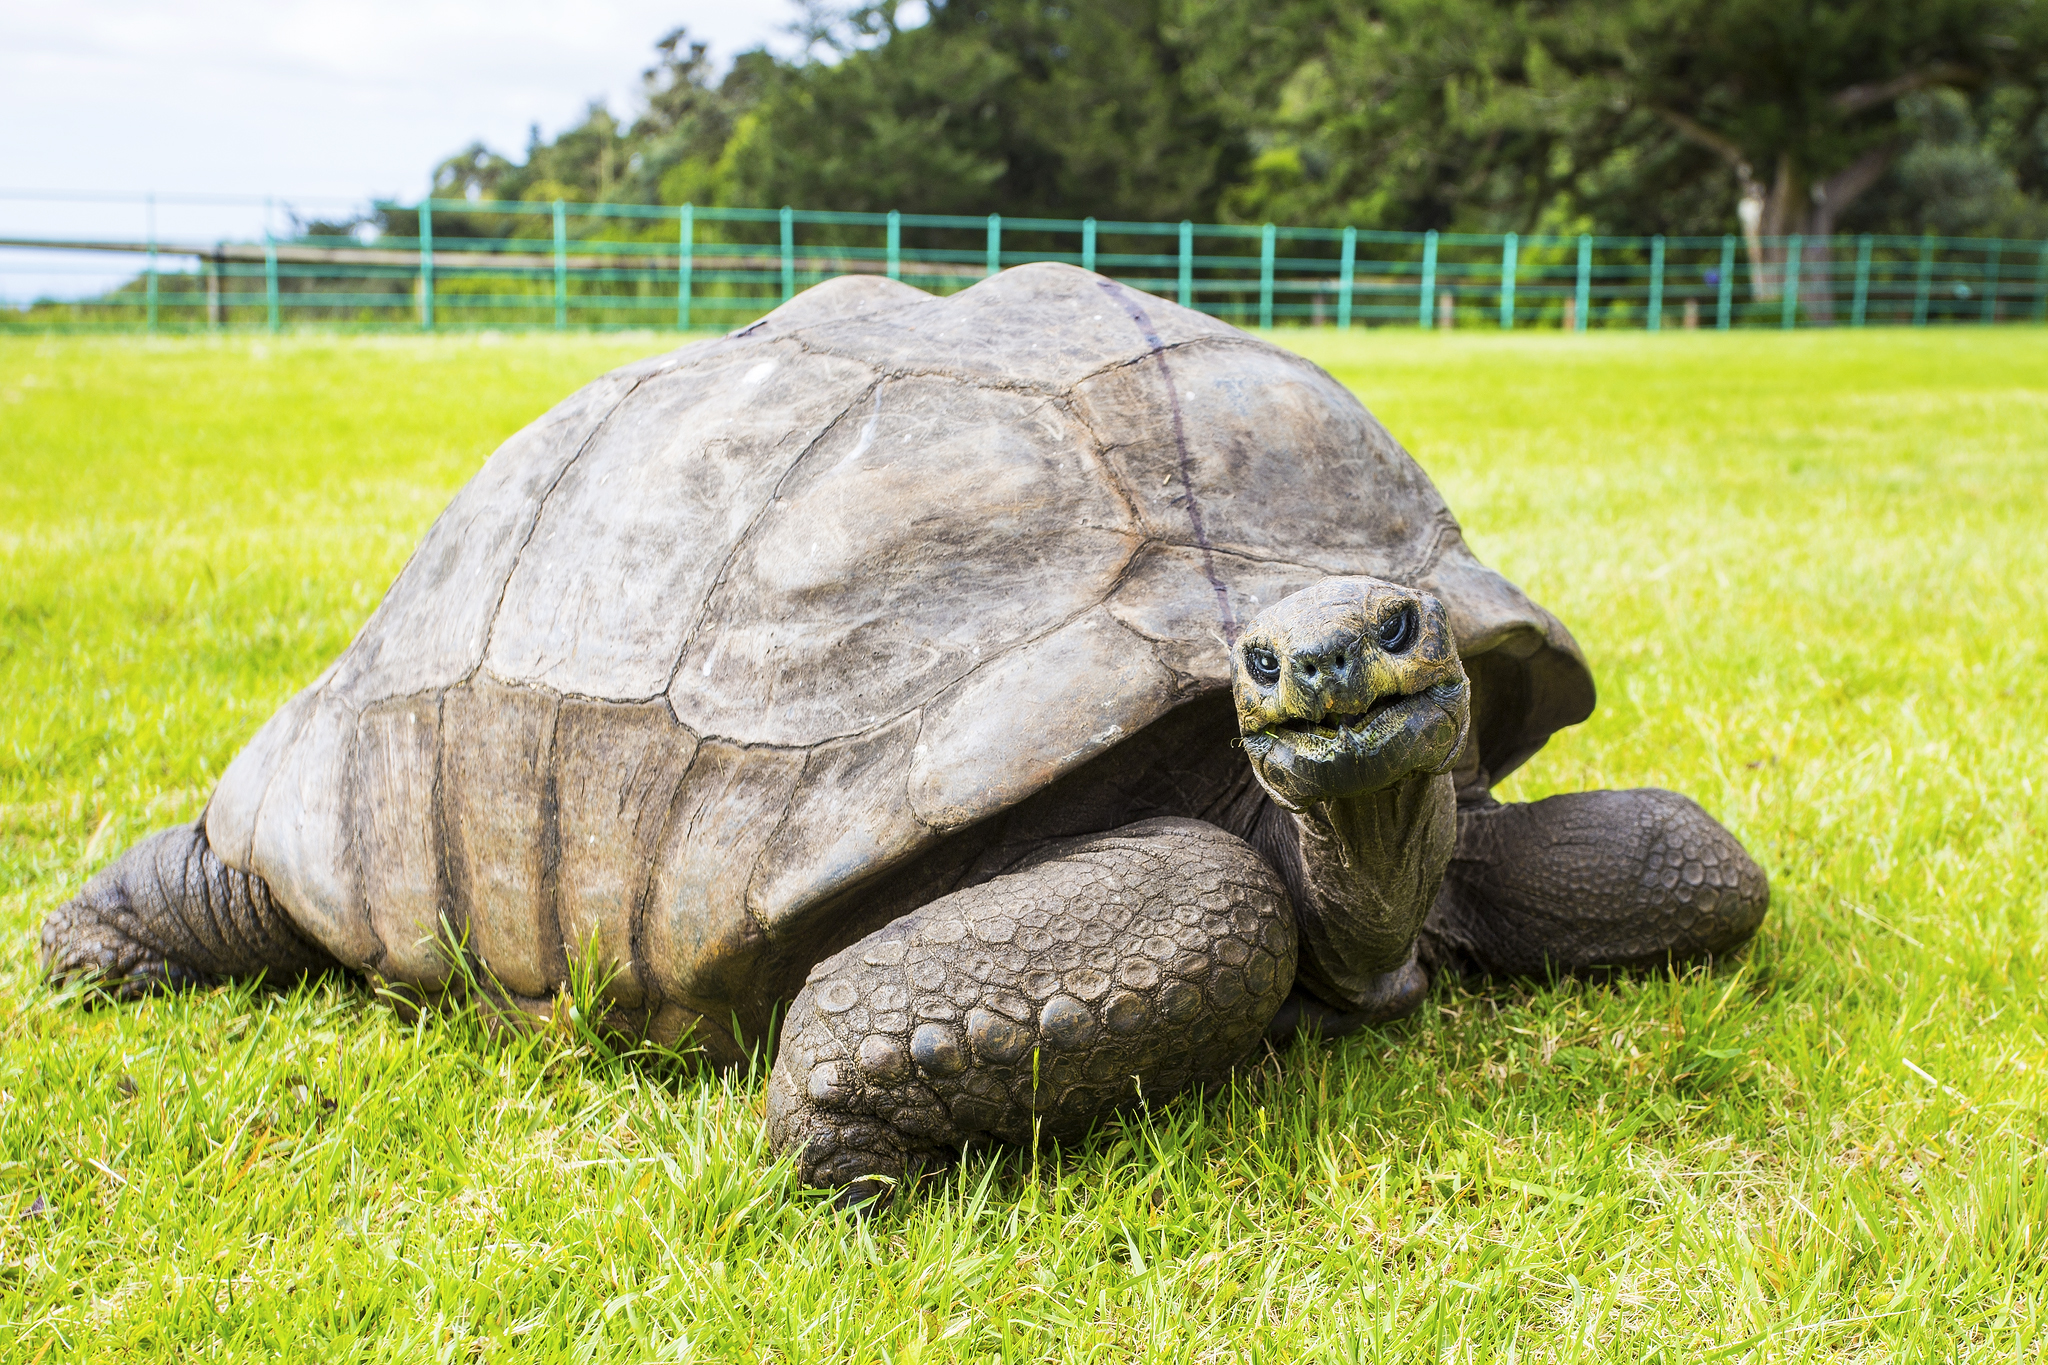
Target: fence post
x=1347 y=267
x=1788 y=305
x=1510 y=245
x=788 y=253
x=1266 y=276
x=895 y=245
x=561 y=267
x=1187 y=264
x=427 y=263
x=270 y=277
x=1426 y=301
x=2041 y=287
x=1582 y=297
x=1088 y=244
x=686 y=264
x=1725 y=297
x=152 y=263
x=1657 y=283
x=1991 y=284
x=995 y=243
x=1861 y=308
x=1925 y=278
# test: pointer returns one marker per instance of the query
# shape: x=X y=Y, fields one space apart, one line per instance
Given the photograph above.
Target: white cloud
x=325 y=104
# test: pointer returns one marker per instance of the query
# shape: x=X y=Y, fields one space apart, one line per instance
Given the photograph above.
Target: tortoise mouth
x=1341 y=725
x=1305 y=762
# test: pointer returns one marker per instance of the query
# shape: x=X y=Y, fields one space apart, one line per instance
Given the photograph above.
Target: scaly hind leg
x=1592 y=881
x=167 y=915
x=1105 y=969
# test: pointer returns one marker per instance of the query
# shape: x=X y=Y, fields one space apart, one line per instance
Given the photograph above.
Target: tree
x=1636 y=116
x=1012 y=106
x=1802 y=101
x=1401 y=114
x=1971 y=166
x=685 y=119
x=1673 y=115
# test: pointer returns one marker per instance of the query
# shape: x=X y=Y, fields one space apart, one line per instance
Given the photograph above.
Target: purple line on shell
x=1180 y=441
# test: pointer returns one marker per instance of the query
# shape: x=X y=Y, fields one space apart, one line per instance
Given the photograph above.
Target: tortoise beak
x=1400 y=736
x=1347 y=688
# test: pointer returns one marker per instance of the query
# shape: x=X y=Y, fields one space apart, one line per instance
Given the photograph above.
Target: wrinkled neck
x=1362 y=872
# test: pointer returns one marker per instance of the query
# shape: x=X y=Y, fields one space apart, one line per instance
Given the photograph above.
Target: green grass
x=1810 y=572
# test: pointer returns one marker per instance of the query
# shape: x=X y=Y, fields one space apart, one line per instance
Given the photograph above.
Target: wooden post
x=1347 y=266
x=788 y=253
x=1428 y=279
x=1924 y=280
x=1088 y=244
x=427 y=262
x=1859 y=308
x=1266 y=276
x=1788 y=304
x=1583 y=296
x=1656 y=319
x=561 y=267
x=1725 y=298
x=686 y=267
x=152 y=263
x=1446 y=311
x=895 y=248
x=1509 y=245
x=1187 y=264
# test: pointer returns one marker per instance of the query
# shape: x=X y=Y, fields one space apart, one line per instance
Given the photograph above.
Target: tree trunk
x=1795 y=206
x=1809 y=210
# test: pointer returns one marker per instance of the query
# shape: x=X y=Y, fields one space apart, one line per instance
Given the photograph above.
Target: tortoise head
x=1348 y=687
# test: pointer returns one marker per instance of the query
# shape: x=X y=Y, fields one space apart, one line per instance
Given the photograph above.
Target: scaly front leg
x=1593 y=881
x=1106 y=971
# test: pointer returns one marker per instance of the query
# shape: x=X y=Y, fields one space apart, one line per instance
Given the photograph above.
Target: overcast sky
x=323 y=103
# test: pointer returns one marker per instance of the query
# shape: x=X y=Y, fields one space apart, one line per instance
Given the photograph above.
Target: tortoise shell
x=732 y=632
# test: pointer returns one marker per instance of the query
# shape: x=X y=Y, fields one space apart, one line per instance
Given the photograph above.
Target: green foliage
x=1010 y=106
x=684 y=118
x=1969 y=167
x=1480 y=115
x=1643 y=115
x=1810 y=572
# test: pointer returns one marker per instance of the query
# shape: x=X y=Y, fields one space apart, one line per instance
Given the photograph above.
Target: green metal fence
x=585 y=266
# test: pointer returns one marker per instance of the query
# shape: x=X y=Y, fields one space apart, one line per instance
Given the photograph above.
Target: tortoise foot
x=169 y=915
x=1590 y=882
x=1108 y=971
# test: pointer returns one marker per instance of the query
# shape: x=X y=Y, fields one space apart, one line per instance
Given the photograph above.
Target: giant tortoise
x=1029 y=699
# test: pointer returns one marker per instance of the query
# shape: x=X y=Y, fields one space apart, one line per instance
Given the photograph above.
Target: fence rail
x=563 y=265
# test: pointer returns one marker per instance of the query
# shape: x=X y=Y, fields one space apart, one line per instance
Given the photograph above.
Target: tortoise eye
x=1263 y=664
x=1397 y=632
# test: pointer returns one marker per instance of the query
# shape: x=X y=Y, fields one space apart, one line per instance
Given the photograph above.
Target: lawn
x=1811 y=572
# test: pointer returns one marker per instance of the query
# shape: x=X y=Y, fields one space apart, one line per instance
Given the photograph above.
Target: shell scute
x=1043 y=325
x=396 y=835
x=937 y=525
x=636 y=530
x=1231 y=445
x=618 y=772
